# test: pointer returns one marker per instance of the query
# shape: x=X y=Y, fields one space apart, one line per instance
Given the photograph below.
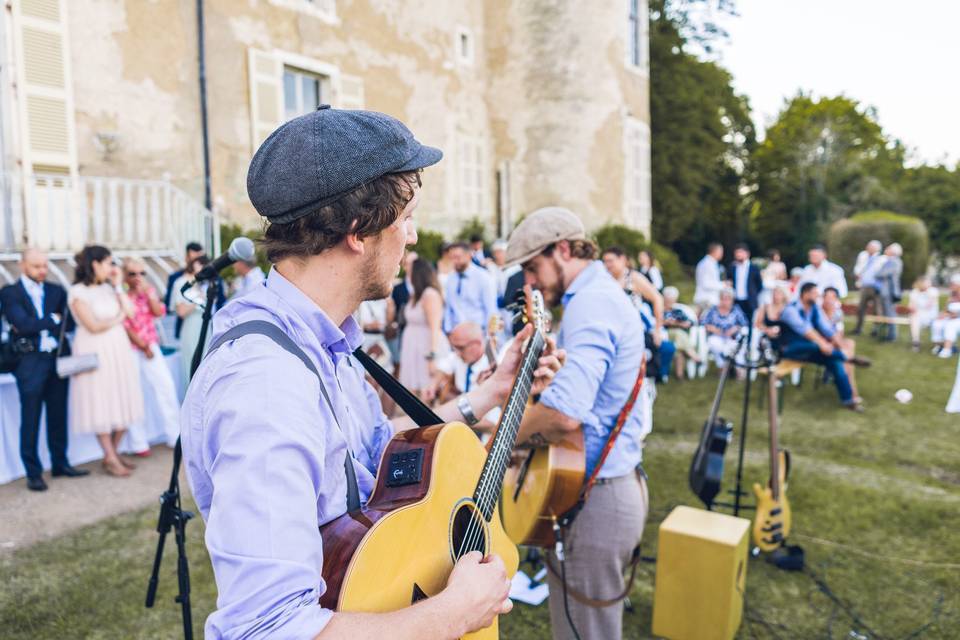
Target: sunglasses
x=136 y=273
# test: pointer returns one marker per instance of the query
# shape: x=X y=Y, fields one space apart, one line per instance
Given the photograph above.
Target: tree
x=933 y=194
x=702 y=135
x=822 y=160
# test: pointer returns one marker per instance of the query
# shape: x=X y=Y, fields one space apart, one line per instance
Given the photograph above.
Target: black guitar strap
x=275 y=333
x=411 y=404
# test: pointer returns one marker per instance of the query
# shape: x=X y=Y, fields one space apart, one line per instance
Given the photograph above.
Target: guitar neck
x=774 y=445
x=491 y=479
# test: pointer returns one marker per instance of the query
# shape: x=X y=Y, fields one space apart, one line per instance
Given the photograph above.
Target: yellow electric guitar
x=771 y=525
x=435 y=501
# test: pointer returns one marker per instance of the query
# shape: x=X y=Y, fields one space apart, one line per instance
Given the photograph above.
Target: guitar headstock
x=494 y=325
x=528 y=308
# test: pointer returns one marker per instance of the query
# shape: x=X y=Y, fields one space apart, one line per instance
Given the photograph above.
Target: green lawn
x=875 y=502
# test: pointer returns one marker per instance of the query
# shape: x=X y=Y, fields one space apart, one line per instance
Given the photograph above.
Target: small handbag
x=68 y=366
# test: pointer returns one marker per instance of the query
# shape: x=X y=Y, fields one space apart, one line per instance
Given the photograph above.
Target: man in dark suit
x=747 y=281
x=35 y=310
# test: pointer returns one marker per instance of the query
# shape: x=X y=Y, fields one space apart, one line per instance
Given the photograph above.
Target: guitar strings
x=474 y=533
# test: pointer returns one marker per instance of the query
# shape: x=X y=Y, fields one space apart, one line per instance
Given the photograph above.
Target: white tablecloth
x=80 y=449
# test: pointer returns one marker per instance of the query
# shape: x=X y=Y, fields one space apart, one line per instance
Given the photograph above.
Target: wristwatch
x=466 y=410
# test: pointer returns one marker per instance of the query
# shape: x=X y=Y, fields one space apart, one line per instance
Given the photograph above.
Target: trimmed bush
x=632 y=241
x=429 y=244
x=230 y=231
x=848 y=237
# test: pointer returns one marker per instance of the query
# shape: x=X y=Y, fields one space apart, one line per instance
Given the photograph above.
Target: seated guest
x=793 y=286
x=372 y=318
x=924 y=308
x=768 y=316
x=723 y=323
x=809 y=336
x=946 y=326
x=159 y=390
x=678 y=324
x=463 y=369
x=833 y=310
x=648 y=269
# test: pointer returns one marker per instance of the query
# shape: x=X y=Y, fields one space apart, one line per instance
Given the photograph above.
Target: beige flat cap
x=539 y=230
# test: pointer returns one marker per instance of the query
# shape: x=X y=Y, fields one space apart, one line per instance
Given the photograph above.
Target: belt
x=638 y=472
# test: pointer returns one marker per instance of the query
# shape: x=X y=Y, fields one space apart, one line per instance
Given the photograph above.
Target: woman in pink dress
x=423 y=341
x=106 y=400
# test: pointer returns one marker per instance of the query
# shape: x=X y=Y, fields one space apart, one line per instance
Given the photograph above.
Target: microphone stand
x=172 y=516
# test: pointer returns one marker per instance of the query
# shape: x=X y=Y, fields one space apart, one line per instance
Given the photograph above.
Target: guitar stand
x=766 y=359
x=171 y=515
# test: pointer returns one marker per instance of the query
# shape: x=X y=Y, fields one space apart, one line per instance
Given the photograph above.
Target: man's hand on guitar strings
x=551 y=360
x=479 y=588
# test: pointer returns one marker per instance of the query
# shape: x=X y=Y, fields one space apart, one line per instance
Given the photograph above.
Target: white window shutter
x=266 y=95
x=46 y=96
x=351 y=92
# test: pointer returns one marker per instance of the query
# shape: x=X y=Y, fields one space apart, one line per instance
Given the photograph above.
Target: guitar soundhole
x=468 y=532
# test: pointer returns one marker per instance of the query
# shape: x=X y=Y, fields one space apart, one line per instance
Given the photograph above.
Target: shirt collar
x=30 y=285
x=343 y=339
x=590 y=273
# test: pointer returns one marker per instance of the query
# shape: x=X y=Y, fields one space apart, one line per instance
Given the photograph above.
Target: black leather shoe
x=70 y=472
x=36 y=484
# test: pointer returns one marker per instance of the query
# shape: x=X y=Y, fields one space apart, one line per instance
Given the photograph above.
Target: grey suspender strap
x=275 y=333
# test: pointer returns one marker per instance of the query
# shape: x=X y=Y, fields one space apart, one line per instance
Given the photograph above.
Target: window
x=301 y=92
x=464 y=46
x=636 y=188
x=472 y=183
x=326 y=10
x=637 y=37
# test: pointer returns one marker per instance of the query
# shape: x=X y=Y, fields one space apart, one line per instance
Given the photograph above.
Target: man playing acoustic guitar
x=274 y=449
x=602 y=335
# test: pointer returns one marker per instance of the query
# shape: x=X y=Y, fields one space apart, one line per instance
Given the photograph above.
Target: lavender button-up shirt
x=265 y=457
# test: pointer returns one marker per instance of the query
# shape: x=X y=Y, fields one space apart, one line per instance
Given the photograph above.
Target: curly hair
x=583 y=249
x=365 y=211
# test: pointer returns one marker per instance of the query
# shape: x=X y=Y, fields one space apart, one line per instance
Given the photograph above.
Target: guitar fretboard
x=491 y=479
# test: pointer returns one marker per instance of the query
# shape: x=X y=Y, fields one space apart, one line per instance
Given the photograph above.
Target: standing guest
x=796 y=279
x=498 y=269
x=470 y=294
x=768 y=316
x=869 y=263
x=723 y=323
x=947 y=324
x=649 y=270
x=678 y=324
x=266 y=458
x=372 y=318
x=888 y=280
x=747 y=281
x=35 y=310
x=445 y=265
x=776 y=270
x=924 y=308
x=396 y=304
x=159 y=390
x=194 y=251
x=251 y=275
x=833 y=310
x=477 y=253
x=709 y=278
x=872 y=250
x=604 y=339
x=189 y=308
x=809 y=336
x=108 y=399
x=423 y=341
x=824 y=273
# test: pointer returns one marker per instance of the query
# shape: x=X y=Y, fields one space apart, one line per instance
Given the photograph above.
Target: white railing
x=62 y=214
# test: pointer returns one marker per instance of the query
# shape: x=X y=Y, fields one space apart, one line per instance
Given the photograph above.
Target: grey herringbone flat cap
x=318 y=158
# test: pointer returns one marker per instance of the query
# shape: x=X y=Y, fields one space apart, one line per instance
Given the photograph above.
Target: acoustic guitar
x=771 y=525
x=435 y=501
x=706 y=467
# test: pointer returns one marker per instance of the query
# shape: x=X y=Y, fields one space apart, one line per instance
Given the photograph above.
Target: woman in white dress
x=188 y=306
x=106 y=400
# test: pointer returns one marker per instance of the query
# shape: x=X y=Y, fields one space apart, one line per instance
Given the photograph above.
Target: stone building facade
x=534 y=102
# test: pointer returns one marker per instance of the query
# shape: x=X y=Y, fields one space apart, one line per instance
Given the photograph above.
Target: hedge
x=632 y=241
x=848 y=237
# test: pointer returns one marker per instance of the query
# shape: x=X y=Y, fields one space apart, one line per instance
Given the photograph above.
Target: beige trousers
x=599 y=546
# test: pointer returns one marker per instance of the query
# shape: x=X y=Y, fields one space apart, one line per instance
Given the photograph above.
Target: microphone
x=240 y=249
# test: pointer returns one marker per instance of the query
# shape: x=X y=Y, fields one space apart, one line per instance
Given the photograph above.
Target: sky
x=901 y=57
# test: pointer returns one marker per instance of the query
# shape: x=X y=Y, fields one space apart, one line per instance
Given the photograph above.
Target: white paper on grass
x=522 y=591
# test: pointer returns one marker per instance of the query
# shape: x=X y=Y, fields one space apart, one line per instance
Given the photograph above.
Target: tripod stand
x=172 y=516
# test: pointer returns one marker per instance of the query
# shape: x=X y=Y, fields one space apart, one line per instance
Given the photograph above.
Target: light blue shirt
x=868 y=277
x=603 y=336
x=470 y=296
x=265 y=459
x=35 y=290
x=800 y=321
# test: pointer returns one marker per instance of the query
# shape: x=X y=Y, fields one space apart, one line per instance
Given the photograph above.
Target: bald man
x=461 y=370
x=35 y=310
